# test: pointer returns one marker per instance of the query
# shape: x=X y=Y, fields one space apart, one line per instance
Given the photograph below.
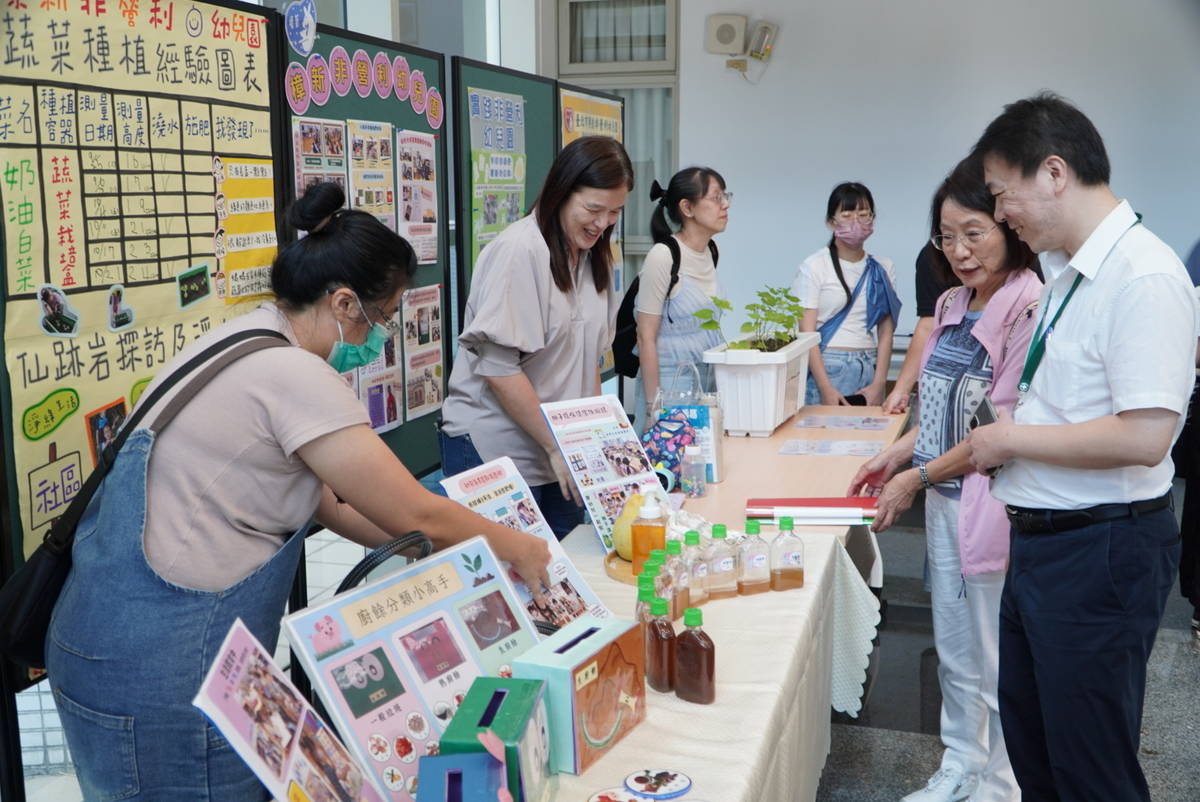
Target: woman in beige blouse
x=539 y=318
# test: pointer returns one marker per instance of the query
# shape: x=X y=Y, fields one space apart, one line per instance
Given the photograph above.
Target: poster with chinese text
x=392 y=660
x=417 y=178
x=497 y=124
x=380 y=386
x=424 y=374
x=497 y=491
x=319 y=147
x=372 y=176
x=604 y=455
x=139 y=200
x=271 y=726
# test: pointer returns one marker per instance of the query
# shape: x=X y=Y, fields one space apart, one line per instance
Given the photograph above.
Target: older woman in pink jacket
x=976 y=350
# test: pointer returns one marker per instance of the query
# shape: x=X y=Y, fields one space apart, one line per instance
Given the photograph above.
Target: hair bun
x=314 y=208
x=656 y=191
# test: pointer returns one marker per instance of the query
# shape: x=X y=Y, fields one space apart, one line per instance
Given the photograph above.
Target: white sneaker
x=948 y=785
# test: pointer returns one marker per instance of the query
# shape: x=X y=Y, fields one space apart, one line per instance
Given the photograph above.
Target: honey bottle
x=660 y=648
x=722 y=566
x=695 y=661
x=787 y=558
x=649 y=531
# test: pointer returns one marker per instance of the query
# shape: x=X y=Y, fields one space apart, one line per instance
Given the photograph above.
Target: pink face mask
x=854 y=232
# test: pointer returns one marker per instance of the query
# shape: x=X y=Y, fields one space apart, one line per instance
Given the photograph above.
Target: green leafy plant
x=774 y=320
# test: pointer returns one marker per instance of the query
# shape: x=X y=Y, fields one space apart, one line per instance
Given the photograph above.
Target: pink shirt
x=1004 y=330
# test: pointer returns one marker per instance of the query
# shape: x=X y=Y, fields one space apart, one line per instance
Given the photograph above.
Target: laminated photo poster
x=271 y=726
x=393 y=659
x=604 y=455
x=497 y=491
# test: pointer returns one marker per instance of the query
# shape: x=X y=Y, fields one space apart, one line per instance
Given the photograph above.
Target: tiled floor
x=893 y=747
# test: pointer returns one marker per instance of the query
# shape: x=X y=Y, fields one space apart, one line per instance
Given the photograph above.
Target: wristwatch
x=924 y=474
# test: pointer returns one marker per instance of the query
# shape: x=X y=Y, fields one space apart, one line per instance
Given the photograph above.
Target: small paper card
x=497 y=491
x=279 y=735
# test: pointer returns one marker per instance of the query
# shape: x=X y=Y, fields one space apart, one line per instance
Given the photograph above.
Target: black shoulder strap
x=62 y=532
x=676 y=256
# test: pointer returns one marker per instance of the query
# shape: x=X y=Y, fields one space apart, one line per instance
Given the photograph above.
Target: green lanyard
x=1037 y=346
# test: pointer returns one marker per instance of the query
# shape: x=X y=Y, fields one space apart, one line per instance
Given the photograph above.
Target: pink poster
x=258 y=710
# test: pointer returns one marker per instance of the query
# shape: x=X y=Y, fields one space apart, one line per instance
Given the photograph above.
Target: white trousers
x=966 y=633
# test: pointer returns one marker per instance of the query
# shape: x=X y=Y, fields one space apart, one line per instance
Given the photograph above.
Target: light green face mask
x=345 y=357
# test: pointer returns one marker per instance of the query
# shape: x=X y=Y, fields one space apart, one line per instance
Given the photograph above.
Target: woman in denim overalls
x=132 y=637
x=669 y=334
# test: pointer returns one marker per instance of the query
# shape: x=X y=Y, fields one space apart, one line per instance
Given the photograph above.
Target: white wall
x=894 y=92
x=372 y=17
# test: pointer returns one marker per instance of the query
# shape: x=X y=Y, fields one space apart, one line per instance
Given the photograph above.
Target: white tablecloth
x=783 y=659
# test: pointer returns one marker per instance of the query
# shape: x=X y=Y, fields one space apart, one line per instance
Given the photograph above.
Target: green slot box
x=515 y=711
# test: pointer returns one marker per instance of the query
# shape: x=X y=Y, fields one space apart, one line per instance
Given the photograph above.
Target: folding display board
x=506 y=137
x=140 y=205
x=370 y=115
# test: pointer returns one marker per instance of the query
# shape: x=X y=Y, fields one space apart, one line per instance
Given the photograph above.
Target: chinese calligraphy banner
x=139 y=202
x=392 y=660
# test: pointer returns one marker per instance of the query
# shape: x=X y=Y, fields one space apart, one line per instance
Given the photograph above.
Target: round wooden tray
x=619 y=569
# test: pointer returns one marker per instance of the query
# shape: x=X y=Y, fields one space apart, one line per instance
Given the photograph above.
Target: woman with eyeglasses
x=678 y=279
x=976 y=350
x=539 y=319
x=204 y=522
x=849 y=298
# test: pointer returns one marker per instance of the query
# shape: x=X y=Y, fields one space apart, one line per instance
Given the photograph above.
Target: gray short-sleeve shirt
x=517 y=320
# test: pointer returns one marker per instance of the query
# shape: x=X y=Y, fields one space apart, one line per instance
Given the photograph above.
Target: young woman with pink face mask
x=849 y=297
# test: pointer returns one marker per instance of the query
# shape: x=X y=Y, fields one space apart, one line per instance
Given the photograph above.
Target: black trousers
x=1078 y=619
x=1187 y=465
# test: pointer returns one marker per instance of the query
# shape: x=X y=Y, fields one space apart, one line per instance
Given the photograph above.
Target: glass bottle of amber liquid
x=660 y=648
x=680 y=576
x=754 y=562
x=722 y=566
x=695 y=661
x=787 y=558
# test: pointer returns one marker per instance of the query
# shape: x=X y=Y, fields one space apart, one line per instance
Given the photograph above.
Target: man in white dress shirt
x=1086 y=474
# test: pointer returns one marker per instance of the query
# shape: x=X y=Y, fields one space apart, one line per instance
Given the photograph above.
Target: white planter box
x=761 y=390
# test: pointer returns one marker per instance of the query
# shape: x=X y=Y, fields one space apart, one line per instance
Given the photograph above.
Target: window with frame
x=628 y=48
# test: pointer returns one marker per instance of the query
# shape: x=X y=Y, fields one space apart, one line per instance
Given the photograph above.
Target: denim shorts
x=848 y=371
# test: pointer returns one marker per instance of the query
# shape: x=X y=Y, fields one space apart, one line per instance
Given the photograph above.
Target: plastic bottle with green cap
x=695 y=661
x=787 y=558
x=680 y=579
x=696 y=560
x=754 y=562
x=645 y=595
x=662 y=580
x=722 y=566
x=660 y=647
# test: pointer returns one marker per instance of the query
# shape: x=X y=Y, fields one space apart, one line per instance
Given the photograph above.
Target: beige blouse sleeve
x=506 y=307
